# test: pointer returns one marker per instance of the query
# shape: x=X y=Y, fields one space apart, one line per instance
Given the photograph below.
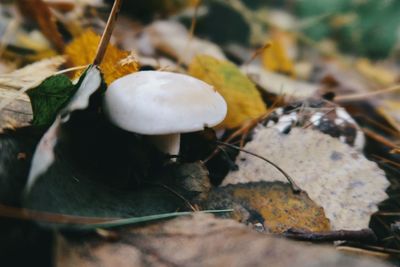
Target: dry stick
x=105 y=38
x=26 y=214
x=71 y=69
x=393 y=252
x=379 y=138
x=257 y=53
x=387 y=161
x=380 y=125
x=187 y=202
x=365 y=252
x=296 y=189
x=362 y=96
x=364 y=235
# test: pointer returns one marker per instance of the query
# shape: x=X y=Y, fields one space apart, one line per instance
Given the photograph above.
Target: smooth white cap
x=156 y=102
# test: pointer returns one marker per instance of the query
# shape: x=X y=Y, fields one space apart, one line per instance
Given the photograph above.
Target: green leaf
x=49 y=98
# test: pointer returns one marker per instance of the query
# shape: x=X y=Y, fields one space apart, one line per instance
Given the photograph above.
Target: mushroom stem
x=167 y=143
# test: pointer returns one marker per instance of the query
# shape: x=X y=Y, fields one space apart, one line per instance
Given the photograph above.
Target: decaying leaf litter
x=297 y=106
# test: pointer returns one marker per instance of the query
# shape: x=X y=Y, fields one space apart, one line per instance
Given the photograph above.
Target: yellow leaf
x=116 y=62
x=275 y=57
x=279 y=208
x=376 y=72
x=243 y=99
x=390 y=110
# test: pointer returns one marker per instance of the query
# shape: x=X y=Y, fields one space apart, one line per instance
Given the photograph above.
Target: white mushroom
x=163 y=105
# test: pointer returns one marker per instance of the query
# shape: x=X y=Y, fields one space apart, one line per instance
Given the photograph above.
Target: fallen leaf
x=334 y=175
x=62 y=189
x=376 y=72
x=13 y=102
x=199 y=240
x=44 y=154
x=38 y=11
x=271 y=204
x=49 y=97
x=18 y=113
x=33 y=40
x=243 y=99
x=279 y=84
x=173 y=39
x=116 y=63
x=31 y=75
x=276 y=57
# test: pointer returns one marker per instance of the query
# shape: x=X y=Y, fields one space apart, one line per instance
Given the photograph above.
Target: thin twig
x=362 y=96
x=364 y=235
x=395 y=252
x=105 y=38
x=296 y=189
x=71 y=69
x=27 y=214
x=187 y=202
x=363 y=251
x=380 y=125
x=257 y=53
x=387 y=161
x=379 y=138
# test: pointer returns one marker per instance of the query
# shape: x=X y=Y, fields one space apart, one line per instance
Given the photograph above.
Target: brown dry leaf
x=277 y=205
x=347 y=185
x=275 y=58
x=116 y=63
x=243 y=99
x=18 y=113
x=15 y=106
x=39 y=12
x=31 y=75
x=199 y=240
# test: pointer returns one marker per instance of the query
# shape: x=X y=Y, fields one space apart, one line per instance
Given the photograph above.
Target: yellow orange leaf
x=116 y=63
x=376 y=72
x=276 y=57
x=243 y=99
x=390 y=110
x=279 y=208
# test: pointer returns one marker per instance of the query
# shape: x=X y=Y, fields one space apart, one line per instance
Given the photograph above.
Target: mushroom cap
x=156 y=102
